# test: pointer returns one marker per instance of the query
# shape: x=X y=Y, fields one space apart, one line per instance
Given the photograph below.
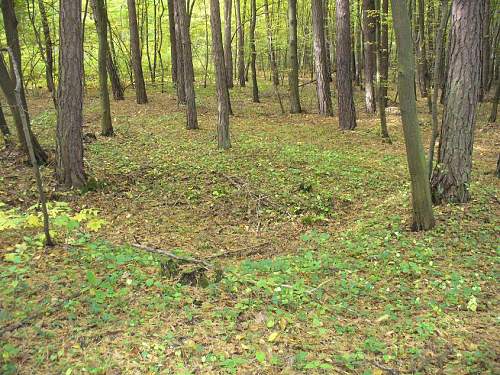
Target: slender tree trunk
x=8 y=84
x=437 y=82
x=223 y=137
x=494 y=104
x=135 y=51
x=69 y=167
x=383 y=66
x=322 y=80
x=346 y=110
x=181 y=85
x=293 y=62
x=173 y=39
x=451 y=177
x=423 y=218
x=486 y=50
x=241 y=46
x=205 y=77
x=3 y=126
x=114 y=74
x=359 y=46
x=49 y=50
x=100 y=17
x=272 y=57
x=228 y=52
x=423 y=74
x=191 y=115
x=369 y=31
x=253 y=51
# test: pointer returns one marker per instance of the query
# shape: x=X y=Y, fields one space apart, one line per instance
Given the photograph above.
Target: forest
x=249 y=186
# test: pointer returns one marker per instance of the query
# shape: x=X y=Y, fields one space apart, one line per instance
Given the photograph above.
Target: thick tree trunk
x=181 y=85
x=438 y=62
x=223 y=137
x=100 y=18
x=346 y=110
x=173 y=47
x=369 y=32
x=423 y=218
x=228 y=52
x=191 y=115
x=8 y=84
x=241 y=46
x=320 y=61
x=69 y=167
x=253 y=51
x=135 y=51
x=49 y=51
x=293 y=62
x=451 y=177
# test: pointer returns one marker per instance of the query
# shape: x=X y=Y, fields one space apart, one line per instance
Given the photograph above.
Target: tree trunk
x=181 y=85
x=494 y=104
x=451 y=177
x=322 y=80
x=100 y=18
x=8 y=84
x=383 y=66
x=191 y=115
x=223 y=137
x=423 y=218
x=272 y=57
x=135 y=51
x=241 y=46
x=346 y=110
x=253 y=51
x=3 y=126
x=69 y=167
x=293 y=62
x=369 y=31
x=49 y=51
x=486 y=50
x=437 y=82
x=114 y=77
x=228 y=52
x=173 y=47
x=423 y=74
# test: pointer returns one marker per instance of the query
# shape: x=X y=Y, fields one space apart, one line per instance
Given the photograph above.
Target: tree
x=100 y=18
x=423 y=73
x=223 y=137
x=8 y=83
x=494 y=105
x=486 y=48
x=228 y=37
x=241 y=46
x=293 y=62
x=111 y=65
x=383 y=66
x=272 y=56
x=135 y=51
x=451 y=176
x=191 y=115
x=4 y=129
x=49 y=50
x=423 y=218
x=173 y=46
x=253 y=51
x=369 y=33
x=69 y=166
x=347 y=112
x=181 y=86
x=320 y=61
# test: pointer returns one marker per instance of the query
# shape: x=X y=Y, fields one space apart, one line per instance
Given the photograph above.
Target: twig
x=172 y=255
x=245 y=251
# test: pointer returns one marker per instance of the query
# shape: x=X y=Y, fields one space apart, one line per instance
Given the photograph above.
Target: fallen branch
x=172 y=255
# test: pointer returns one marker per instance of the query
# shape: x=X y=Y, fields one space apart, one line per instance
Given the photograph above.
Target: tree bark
x=346 y=109
x=223 y=137
x=69 y=167
x=293 y=62
x=383 y=66
x=228 y=52
x=49 y=50
x=451 y=177
x=423 y=218
x=173 y=46
x=8 y=84
x=135 y=51
x=100 y=18
x=423 y=73
x=494 y=104
x=320 y=61
x=369 y=32
x=241 y=46
x=181 y=85
x=486 y=50
x=191 y=115
x=3 y=126
x=253 y=51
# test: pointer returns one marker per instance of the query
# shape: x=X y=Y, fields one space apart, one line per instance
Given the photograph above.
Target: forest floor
x=311 y=266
